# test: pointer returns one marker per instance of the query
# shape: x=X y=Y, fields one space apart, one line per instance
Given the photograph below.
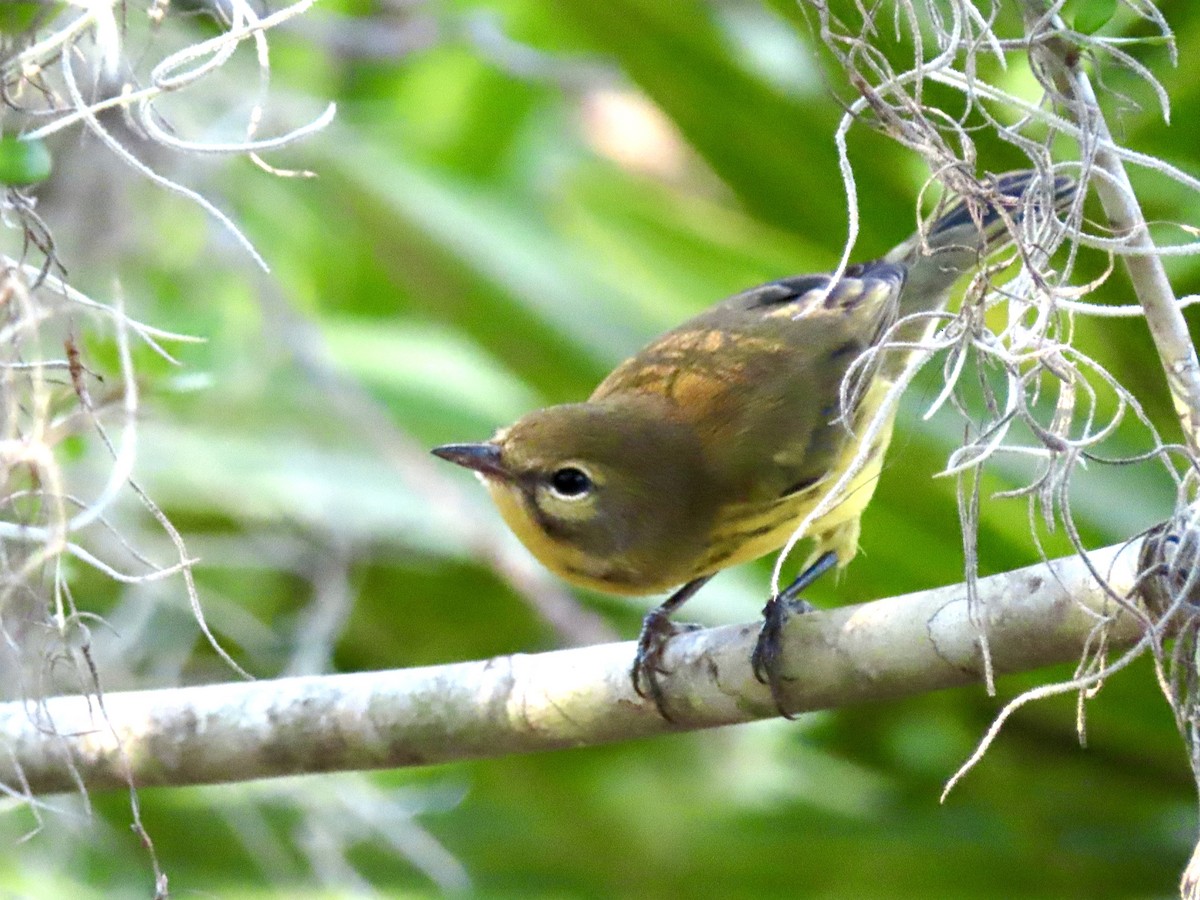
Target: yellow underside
x=836 y=530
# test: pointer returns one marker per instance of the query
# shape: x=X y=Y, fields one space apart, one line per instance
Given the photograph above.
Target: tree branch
x=1164 y=315
x=525 y=703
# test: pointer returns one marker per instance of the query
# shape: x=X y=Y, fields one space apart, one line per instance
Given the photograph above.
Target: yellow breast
x=747 y=531
x=573 y=564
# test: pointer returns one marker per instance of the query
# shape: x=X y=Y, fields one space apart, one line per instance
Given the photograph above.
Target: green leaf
x=1092 y=15
x=429 y=362
x=23 y=161
x=17 y=16
x=775 y=151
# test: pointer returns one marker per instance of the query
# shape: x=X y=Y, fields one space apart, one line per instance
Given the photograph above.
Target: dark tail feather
x=1012 y=186
x=957 y=241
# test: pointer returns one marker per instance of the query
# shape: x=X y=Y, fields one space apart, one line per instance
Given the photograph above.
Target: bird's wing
x=759 y=374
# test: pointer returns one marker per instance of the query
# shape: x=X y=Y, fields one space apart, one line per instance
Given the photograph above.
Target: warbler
x=710 y=445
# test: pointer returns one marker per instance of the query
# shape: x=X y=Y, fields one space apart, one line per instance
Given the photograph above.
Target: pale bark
x=525 y=703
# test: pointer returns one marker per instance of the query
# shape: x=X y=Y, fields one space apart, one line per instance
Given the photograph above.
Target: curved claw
x=767 y=658
x=657 y=630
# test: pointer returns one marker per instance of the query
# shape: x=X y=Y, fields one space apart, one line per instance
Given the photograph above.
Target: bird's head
x=605 y=495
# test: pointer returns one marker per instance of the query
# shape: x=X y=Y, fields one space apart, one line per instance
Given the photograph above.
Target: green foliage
x=18 y=15
x=23 y=162
x=468 y=252
x=1090 y=16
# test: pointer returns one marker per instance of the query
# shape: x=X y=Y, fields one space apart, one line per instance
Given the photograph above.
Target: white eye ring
x=570 y=483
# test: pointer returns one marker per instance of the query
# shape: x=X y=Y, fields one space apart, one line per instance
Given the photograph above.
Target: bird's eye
x=570 y=482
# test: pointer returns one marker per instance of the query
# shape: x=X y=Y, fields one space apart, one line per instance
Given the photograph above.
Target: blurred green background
x=514 y=196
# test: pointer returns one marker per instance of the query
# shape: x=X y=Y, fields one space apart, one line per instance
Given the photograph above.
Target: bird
x=710 y=445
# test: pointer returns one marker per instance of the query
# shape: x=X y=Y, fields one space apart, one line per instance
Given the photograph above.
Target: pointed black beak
x=481 y=458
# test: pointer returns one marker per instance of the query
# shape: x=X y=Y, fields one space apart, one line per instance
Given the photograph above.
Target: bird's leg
x=657 y=630
x=768 y=652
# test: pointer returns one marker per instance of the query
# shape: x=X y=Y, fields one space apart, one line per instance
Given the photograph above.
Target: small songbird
x=714 y=442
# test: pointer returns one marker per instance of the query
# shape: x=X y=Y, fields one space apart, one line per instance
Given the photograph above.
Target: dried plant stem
x=1142 y=259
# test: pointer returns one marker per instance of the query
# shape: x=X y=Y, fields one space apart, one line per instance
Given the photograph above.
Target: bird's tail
x=969 y=232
